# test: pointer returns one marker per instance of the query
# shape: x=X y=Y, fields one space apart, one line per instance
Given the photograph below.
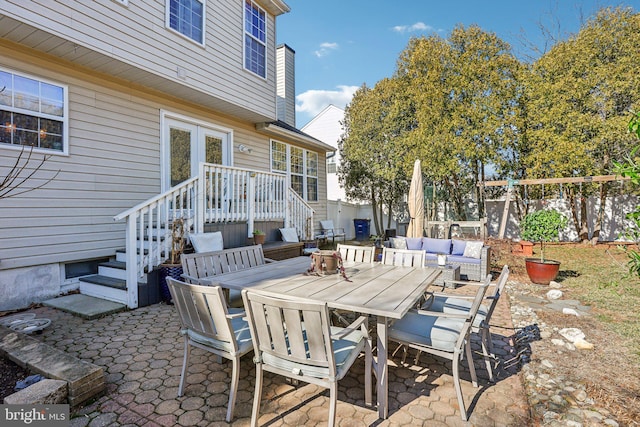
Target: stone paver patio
x=141 y=353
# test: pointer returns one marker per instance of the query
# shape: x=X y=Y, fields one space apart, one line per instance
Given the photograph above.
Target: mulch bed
x=10 y=373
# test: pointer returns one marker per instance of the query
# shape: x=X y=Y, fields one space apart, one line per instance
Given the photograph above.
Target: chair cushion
x=429 y=331
x=345 y=350
x=207 y=242
x=289 y=235
x=473 y=249
x=454 y=305
x=458 y=247
x=242 y=334
x=436 y=246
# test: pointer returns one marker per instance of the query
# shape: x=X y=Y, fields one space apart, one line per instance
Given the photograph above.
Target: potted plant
x=258 y=237
x=542 y=226
x=172 y=266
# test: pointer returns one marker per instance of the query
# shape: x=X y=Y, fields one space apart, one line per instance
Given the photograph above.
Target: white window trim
x=288 y=173
x=65 y=118
x=244 y=47
x=122 y=2
x=204 y=24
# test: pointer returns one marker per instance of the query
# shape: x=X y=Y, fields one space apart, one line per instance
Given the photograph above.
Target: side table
x=449 y=273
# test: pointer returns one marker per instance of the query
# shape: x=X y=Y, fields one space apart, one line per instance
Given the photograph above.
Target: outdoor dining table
x=385 y=291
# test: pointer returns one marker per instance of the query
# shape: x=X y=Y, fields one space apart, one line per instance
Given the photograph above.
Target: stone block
x=84 y=380
x=44 y=392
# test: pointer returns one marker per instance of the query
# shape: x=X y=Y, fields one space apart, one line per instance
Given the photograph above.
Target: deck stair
x=219 y=194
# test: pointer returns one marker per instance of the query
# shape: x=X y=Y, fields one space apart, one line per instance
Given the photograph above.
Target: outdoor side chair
x=455 y=303
x=445 y=335
x=208 y=324
x=356 y=253
x=293 y=338
x=403 y=257
x=330 y=231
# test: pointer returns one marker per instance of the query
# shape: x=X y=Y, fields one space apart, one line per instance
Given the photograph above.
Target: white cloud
x=312 y=102
x=417 y=27
x=325 y=49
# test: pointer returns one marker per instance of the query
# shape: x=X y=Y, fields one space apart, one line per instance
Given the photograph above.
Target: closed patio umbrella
x=416 y=203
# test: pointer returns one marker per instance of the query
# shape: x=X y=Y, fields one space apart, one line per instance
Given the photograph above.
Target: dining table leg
x=382 y=370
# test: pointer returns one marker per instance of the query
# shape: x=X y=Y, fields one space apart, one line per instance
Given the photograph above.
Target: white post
x=132 y=263
x=251 y=203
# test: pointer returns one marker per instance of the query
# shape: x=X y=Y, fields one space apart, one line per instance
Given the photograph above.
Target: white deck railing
x=218 y=194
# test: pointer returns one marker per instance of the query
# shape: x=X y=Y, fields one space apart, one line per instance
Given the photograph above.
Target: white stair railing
x=219 y=194
x=299 y=215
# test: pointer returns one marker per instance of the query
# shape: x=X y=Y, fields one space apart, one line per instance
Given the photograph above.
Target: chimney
x=286 y=85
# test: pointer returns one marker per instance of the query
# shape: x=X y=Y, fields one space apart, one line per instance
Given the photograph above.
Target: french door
x=186 y=144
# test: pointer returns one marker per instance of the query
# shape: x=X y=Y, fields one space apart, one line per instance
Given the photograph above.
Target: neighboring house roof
x=282 y=129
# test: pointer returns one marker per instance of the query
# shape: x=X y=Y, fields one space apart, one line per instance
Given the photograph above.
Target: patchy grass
x=595 y=275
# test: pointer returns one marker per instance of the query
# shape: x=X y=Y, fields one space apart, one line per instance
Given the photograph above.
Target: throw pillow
x=436 y=246
x=289 y=234
x=398 y=242
x=458 y=247
x=207 y=242
x=414 y=243
x=473 y=250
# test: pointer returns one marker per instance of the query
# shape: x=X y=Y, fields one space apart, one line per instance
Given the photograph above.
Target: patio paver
x=141 y=354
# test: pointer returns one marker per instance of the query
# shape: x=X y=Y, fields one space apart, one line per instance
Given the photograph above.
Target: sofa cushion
x=458 y=247
x=462 y=259
x=473 y=249
x=436 y=246
x=398 y=242
x=414 y=243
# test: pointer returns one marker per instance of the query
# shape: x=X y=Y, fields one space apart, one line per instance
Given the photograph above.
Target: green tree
x=463 y=90
x=375 y=161
x=631 y=169
x=578 y=96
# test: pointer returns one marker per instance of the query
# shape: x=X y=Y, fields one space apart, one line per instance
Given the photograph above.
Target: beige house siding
x=113 y=164
x=136 y=37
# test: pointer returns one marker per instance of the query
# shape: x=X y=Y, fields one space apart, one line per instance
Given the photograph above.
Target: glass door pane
x=180 y=155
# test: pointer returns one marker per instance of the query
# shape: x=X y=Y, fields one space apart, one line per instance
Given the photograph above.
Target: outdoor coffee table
x=449 y=273
x=385 y=291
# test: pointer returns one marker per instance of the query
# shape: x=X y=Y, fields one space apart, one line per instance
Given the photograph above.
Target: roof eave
x=274 y=130
x=276 y=7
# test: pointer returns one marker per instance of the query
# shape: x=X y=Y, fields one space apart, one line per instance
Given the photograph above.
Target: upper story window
x=187 y=18
x=300 y=165
x=255 y=39
x=32 y=112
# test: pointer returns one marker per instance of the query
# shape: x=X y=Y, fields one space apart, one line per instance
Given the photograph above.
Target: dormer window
x=255 y=39
x=187 y=18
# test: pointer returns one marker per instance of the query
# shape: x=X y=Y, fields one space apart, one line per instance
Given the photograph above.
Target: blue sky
x=342 y=44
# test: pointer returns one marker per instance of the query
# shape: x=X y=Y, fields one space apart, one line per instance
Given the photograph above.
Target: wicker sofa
x=472 y=256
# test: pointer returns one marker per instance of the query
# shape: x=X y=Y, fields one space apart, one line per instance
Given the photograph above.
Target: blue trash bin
x=362 y=228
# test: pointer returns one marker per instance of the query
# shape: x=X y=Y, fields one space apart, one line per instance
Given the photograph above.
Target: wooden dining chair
x=208 y=324
x=356 y=253
x=456 y=303
x=446 y=335
x=293 y=338
x=403 y=257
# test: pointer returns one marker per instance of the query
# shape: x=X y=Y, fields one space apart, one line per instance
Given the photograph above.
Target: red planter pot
x=542 y=272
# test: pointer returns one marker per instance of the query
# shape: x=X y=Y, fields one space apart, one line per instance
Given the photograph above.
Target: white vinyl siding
x=113 y=164
x=133 y=43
